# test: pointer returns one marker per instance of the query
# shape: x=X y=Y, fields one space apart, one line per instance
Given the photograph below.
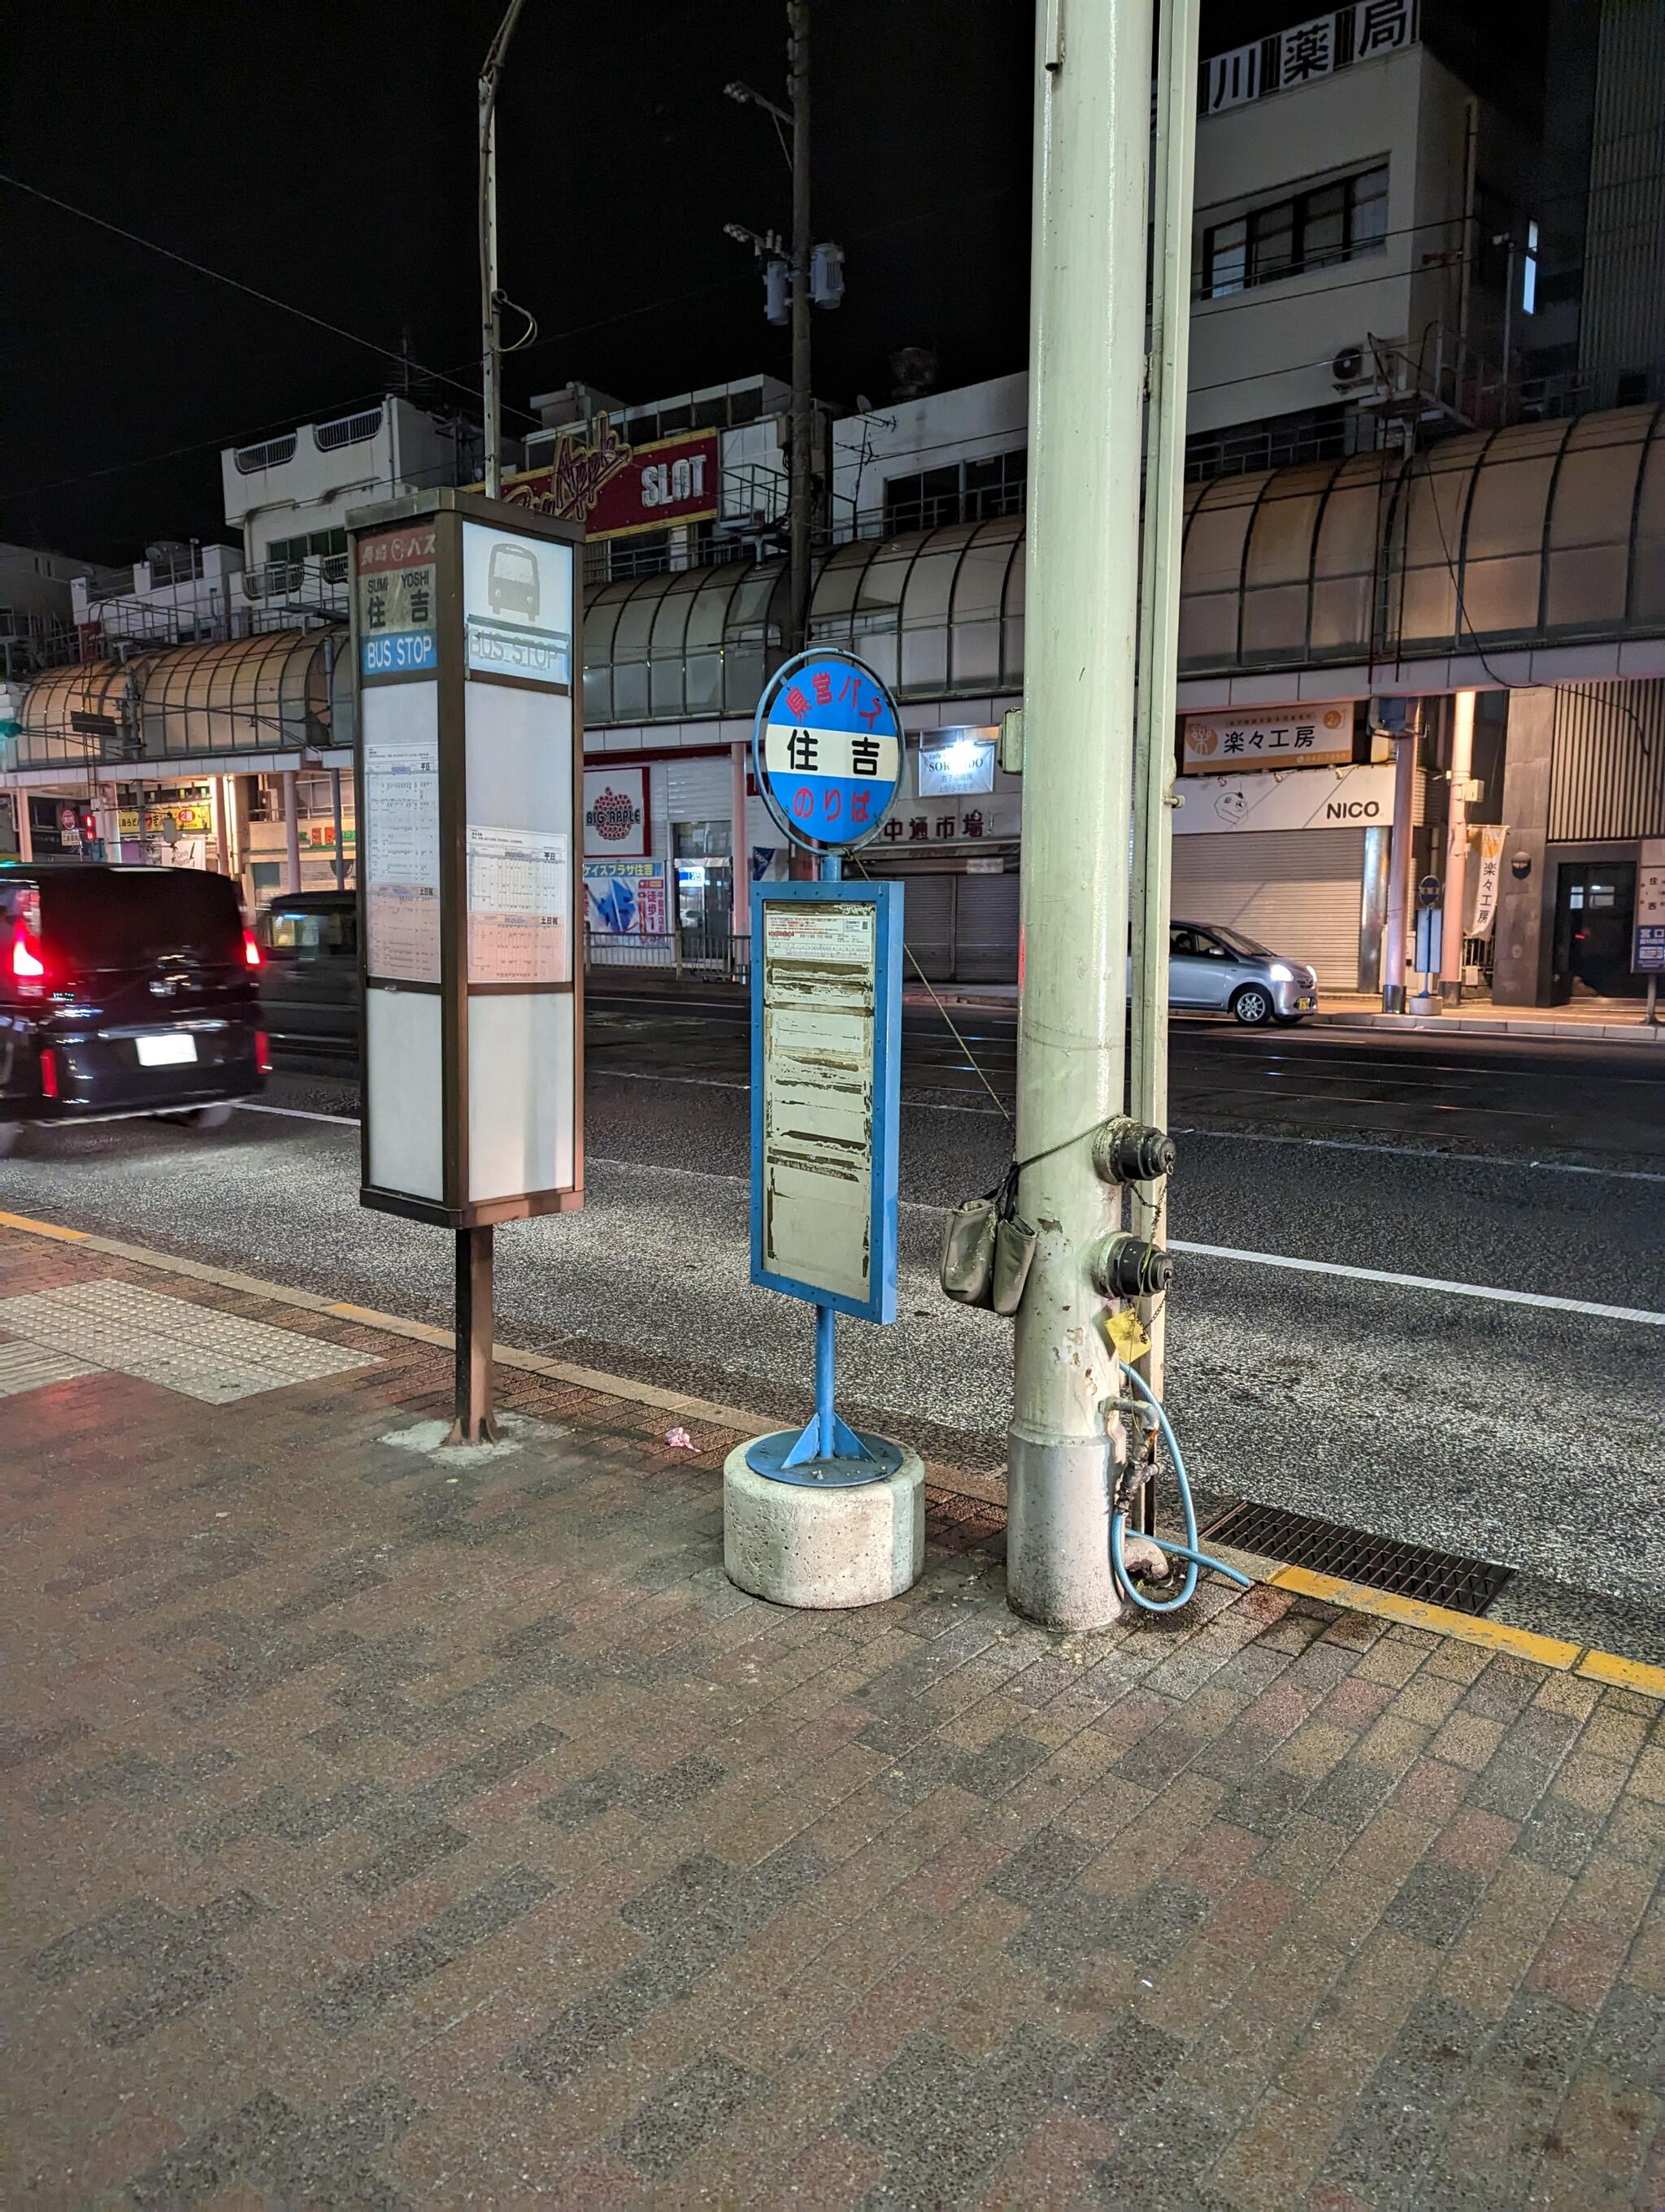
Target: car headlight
x=1280 y=974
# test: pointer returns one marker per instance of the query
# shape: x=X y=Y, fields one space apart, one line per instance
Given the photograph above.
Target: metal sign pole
x=474 y=1422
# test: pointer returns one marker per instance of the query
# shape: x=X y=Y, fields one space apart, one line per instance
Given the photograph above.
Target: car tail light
x=49 y=1073
x=251 y=949
x=263 y=1052
x=27 y=961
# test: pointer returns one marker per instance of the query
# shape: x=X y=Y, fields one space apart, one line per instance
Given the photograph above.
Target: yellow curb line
x=1549 y=1652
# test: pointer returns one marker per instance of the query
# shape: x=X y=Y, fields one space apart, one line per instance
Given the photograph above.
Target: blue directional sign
x=827 y=750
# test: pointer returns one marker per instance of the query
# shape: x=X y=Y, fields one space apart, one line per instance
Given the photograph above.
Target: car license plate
x=173 y=1050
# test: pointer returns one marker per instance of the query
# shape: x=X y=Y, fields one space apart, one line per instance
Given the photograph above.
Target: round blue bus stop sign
x=826 y=747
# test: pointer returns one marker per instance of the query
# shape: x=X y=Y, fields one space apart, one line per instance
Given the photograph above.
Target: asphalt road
x=1522 y=1433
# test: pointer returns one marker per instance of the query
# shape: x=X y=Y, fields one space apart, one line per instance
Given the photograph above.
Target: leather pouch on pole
x=987 y=1249
x=968 y=1235
x=1014 y=1252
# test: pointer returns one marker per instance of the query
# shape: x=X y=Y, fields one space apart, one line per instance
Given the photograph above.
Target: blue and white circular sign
x=827 y=748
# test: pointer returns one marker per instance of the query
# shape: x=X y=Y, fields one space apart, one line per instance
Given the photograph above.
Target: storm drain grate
x=1383 y=1562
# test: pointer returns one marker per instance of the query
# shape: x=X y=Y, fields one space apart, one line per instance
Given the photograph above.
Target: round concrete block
x=795 y=1544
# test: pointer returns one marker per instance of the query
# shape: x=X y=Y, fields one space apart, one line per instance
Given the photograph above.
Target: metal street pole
x=1087 y=375
x=490 y=321
x=472 y=1421
x=1171 y=192
x=801 y=479
x=1456 y=849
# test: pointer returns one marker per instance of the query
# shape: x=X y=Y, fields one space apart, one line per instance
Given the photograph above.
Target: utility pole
x=1171 y=195
x=1087 y=374
x=801 y=480
x=1456 y=848
x=491 y=330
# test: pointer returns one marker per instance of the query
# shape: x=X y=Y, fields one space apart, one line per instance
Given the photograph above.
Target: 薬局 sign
x=827 y=750
x=614 y=489
x=396 y=570
x=616 y=813
x=1354 y=798
x=1275 y=737
x=826 y=1026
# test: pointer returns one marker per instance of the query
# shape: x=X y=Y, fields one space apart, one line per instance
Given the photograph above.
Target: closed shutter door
x=985 y=929
x=1298 y=891
x=927 y=919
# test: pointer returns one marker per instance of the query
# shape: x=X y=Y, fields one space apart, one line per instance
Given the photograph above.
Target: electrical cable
x=236 y=283
x=1194 y=1559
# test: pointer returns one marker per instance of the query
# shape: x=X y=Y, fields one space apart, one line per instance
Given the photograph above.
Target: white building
x=177 y=594
x=290 y=497
x=36 y=607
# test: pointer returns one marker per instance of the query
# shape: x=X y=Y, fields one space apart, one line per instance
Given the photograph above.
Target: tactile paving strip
x=201 y=1353
x=30 y=1367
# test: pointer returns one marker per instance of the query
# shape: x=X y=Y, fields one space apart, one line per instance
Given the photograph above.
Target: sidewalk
x=401 y=1830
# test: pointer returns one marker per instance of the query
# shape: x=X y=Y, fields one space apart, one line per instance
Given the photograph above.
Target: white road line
x=297 y=1114
x=1422 y=1283
x=1585 y=1306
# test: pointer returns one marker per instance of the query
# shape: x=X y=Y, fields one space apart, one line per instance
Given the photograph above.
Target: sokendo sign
x=827 y=748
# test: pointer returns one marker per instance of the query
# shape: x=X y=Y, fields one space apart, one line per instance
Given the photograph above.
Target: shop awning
x=190 y=705
x=1539 y=550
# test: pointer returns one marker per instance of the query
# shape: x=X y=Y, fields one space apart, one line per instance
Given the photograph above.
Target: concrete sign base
x=823 y=1548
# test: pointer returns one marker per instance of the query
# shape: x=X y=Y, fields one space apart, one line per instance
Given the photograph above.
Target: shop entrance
x=705 y=890
x=1594 y=909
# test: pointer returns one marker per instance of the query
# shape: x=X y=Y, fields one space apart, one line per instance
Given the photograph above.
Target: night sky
x=324 y=154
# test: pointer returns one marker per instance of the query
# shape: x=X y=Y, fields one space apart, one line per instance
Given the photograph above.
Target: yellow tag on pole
x=1127 y=1333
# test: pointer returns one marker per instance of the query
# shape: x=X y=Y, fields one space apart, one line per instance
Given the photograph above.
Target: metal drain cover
x=1353 y=1555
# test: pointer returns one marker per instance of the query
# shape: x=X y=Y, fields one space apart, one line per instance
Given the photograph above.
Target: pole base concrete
x=823 y=1549
x=1058 y=1530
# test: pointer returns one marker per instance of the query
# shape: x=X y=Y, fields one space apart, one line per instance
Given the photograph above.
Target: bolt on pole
x=1087 y=373
x=1171 y=195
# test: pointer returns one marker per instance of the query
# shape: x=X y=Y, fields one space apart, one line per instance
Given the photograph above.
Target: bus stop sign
x=827 y=750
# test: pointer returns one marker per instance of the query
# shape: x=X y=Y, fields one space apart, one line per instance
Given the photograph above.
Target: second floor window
x=1313 y=230
x=962 y=491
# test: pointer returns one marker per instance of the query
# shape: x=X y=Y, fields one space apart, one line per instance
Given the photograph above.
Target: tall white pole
x=1087 y=375
x=1395 y=939
x=1172 y=194
x=291 y=830
x=1456 y=849
x=739 y=921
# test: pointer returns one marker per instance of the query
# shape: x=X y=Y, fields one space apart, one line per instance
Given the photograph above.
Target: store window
x=1333 y=222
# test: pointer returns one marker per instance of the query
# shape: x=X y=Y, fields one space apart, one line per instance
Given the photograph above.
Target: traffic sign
x=1428 y=890
x=826 y=746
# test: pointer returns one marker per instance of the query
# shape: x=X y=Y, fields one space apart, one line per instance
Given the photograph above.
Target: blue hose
x=1187 y=1551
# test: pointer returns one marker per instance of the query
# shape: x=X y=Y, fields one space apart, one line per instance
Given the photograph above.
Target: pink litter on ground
x=679 y=1439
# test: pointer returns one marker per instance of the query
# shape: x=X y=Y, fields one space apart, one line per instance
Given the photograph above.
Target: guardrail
x=675 y=953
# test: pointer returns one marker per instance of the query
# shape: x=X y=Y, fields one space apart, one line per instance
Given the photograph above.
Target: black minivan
x=125 y=991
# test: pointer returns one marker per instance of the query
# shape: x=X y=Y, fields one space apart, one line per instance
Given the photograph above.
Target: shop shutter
x=1296 y=890
x=985 y=928
x=928 y=922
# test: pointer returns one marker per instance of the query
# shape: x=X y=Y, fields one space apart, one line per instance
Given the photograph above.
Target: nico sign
x=1319 y=798
x=827 y=750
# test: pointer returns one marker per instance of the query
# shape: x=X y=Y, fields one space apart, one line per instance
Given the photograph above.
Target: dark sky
x=324 y=154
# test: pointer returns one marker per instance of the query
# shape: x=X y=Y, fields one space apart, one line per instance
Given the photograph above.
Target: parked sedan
x=1220 y=970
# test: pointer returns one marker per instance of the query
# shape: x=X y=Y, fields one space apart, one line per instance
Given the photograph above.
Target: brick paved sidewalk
x=384 y=1833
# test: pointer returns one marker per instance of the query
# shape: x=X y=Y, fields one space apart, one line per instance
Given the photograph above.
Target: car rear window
x=130 y=917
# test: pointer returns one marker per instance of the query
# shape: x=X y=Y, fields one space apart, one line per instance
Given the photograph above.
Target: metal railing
x=674 y=953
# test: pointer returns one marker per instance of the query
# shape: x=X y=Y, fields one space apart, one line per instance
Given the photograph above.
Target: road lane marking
x=1586 y=1306
x=298 y=1113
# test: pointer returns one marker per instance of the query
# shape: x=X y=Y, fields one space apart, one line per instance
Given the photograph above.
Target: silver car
x=1220 y=970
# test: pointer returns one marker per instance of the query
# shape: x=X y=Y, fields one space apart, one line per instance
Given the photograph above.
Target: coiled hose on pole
x=1187 y=1551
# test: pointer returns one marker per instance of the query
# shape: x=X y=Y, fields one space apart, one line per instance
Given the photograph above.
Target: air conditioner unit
x=1352 y=365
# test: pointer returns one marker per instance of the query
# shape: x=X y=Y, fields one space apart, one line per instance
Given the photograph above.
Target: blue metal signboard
x=396 y=653
x=827 y=750
x=826 y=1073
